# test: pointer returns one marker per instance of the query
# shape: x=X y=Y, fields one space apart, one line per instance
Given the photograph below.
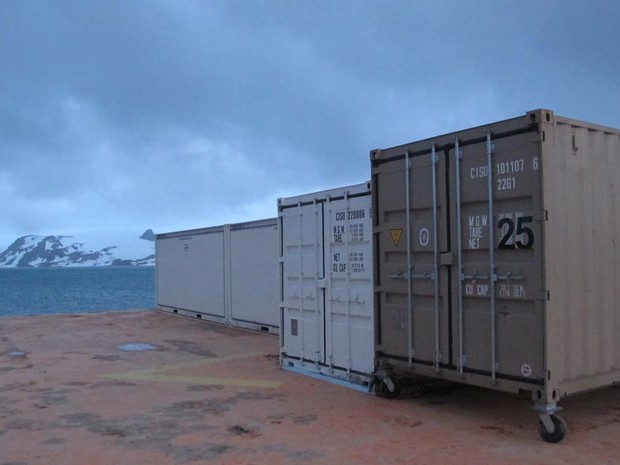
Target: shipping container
x=497 y=257
x=190 y=273
x=227 y=274
x=327 y=324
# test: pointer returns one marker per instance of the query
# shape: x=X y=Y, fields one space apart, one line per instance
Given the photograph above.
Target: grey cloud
x=168 y=114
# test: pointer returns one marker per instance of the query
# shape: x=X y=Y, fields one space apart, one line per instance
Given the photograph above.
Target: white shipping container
x=227 y=274
x=190 y=273
x=253 y=278
x=326 y=283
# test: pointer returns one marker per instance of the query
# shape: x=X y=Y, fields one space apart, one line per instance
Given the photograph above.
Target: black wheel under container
x=388 y=388
x=559 y=432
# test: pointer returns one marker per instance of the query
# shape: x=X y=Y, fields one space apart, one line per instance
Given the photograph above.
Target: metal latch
x=509 y=277
x=474 y=276
x=427 y=275
x=446 y=259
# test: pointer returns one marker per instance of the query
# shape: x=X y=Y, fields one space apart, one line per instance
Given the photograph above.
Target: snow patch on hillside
x=85 y=250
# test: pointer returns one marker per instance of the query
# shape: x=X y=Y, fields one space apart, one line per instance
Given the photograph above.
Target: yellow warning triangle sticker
x=396 y=234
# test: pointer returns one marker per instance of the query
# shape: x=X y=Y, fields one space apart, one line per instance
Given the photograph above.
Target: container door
x=496 y=237
x=190 y=273
x=254 y=274
x=303 y=273
x=349 y=300
x=413 y=298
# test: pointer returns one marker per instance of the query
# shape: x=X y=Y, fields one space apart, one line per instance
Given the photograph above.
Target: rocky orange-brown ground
x=206 y=394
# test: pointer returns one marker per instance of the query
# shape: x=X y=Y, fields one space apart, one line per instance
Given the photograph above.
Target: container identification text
x=503 y=171
x=350 y=215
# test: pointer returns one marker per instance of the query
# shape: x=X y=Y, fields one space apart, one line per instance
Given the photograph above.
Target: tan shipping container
x=497 y=256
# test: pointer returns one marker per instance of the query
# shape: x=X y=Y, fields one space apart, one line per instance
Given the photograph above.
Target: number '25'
x=522 y=229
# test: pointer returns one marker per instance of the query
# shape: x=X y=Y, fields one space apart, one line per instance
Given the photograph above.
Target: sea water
x=36 y=291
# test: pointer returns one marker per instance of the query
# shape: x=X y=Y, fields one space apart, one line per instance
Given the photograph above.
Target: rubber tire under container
x=558 y=434
x=383 y=390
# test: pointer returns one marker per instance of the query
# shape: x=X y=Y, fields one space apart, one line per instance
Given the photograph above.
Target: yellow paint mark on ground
x=163 y=373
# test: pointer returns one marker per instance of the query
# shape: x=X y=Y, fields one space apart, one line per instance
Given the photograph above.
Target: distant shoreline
x=80 y=314
x=73 y=267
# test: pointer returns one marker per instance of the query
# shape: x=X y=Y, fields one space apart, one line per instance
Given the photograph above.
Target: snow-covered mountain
x=62 y=251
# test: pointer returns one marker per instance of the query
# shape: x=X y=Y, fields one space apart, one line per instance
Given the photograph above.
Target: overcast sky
x=118 y=116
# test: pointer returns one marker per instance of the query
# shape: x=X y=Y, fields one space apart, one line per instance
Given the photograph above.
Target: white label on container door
x=526 y=370
x=424 y=237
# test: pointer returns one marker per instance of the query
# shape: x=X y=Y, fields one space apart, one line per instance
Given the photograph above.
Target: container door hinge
x=446 y=259
x=542 y=216
x=545 y=295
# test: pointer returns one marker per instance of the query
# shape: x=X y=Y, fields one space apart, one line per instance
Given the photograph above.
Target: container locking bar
x=319 y=280
x=300 y=244
x=474 y=276
x=328 y=220
x=427 y=275
x=508 y=277
x=409 y=259
x=435 y=274
x=492 y=266
x=494 y=277
x=348 y=286
x=459 y=247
